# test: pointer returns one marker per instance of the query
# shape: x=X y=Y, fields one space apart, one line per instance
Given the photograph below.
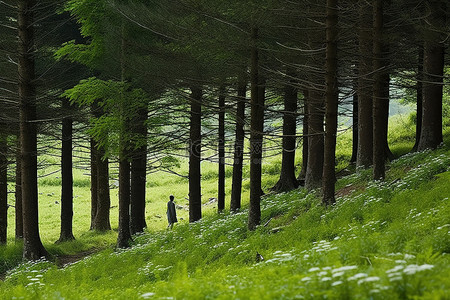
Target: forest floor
x=382 y=240
x=67 y=259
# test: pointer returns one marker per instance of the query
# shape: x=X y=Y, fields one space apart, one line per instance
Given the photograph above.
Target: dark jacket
x=171 y=213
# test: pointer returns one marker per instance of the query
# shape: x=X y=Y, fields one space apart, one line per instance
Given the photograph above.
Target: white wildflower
x=395 y=278
x=395 y=269
x=412 y=269
x=358 y=276
x=344 y=268
x=400 y=261
x=313 y=269
x=409 y=256
x=369 y=279
x=443 y=226
x=306 y=278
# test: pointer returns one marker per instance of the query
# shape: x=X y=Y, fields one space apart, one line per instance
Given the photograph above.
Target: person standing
x=171 y=212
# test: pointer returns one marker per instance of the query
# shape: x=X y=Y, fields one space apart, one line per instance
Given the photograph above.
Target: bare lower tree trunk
x=94 y=180
x=32 y=248
x=314 y=169
x=3 y=188
x=138 y=177
x=287 y=180
x=419 y=96
x=221 y=179
x=67 y=179
x=236 y=188
x=18 y=194
x=102 y=220
x=354 y=123
x=365 y=124
x=302 y=174
x=195 y=145
x=433 y=60
x=124 y=234
x=256 y=134
x=380 y=100
x=332 y=97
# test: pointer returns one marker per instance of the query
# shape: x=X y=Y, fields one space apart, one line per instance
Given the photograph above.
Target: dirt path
x=64 y=260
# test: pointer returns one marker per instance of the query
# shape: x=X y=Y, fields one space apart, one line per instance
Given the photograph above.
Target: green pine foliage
x=382 y=240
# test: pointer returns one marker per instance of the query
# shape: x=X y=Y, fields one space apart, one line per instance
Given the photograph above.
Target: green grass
x=382 y=240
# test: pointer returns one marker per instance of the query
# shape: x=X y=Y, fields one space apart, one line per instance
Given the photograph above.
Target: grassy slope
x=382 y=240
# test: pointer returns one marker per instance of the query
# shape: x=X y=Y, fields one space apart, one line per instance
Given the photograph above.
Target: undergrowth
x=382 y=240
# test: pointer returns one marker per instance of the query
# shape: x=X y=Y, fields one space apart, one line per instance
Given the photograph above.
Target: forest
x=272 y=124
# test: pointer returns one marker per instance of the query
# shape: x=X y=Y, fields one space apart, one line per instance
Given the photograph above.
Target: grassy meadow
x=382 y=240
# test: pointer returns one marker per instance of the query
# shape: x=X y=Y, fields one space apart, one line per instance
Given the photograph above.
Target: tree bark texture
x=18 y=194
x=236 y=186
x=32 y=248
x=380 y=99
x=419 y=96
x=221 y=179
x=139 y=176
x=365 y=124
x=102 y=220
x=332 y=97
x=302 y=174
x=433 y=68
x=94 y=180
x=195 y=147
x=124 y=233
x=314 y=169
x=67 y=178
x=3 y=188
x=354 y=123
x=288 y=181
x=256 y=134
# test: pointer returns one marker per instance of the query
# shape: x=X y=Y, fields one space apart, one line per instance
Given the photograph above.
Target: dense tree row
x=155 y=77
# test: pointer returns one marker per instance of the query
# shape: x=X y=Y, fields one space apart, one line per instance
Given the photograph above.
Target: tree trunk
x=102 y=221
x=138 y=177
x=236 y=188
x=94 y=181
x=419 y=96
x=302 y=174
x=32 y=248
x=18 y=194
x=365 y=124
x=256 y=134
x=380 y=99
x=314 y=169
x=433 y=60
x=124 y=228
x=3 y=188
x=332 y=97
x=354 y=122
x=287 y=180
x=195 y=145
x=124 y=235
x=67 y=178
x=221 y=179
